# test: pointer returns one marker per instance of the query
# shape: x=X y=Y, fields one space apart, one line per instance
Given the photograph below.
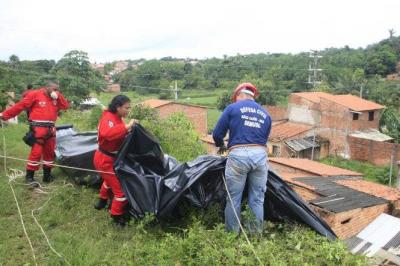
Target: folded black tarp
x=156 y=183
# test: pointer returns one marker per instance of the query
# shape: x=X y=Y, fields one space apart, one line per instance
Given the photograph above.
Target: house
x=341 y=197
x=113 y=87
x=195 y=113
x=343 y=125
x=278 y=114
x=296 y=140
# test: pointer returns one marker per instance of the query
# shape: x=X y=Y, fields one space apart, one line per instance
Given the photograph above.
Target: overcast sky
x=111 y=30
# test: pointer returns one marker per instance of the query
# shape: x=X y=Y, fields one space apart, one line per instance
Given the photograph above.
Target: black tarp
x=156 y=183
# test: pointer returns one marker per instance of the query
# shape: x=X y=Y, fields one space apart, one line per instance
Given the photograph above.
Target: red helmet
x=248 y=86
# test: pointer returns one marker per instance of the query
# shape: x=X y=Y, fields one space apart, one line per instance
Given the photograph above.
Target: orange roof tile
x=154 y=103
x=372 y=188
x=286 y=130
x=314 y=167
x=290 y=177
x=350 y=101
x=313 y=96
x=354 y=103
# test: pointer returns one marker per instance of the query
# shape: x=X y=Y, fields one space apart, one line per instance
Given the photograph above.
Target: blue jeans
x=246 y=164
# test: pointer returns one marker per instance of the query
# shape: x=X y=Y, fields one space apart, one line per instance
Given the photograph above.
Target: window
x=275 y=150
x=371 y=116
x=355 y=116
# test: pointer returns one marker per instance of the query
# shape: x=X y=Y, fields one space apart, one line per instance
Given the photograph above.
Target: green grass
x=212 y=118
x=85 y=236
x=378 y=174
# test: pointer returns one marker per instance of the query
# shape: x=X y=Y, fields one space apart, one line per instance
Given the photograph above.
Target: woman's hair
x=118 y=101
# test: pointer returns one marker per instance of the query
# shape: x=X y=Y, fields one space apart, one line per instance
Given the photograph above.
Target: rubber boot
x=47 y=177
x=119 y=220
x=30 y=180
x=100 y=204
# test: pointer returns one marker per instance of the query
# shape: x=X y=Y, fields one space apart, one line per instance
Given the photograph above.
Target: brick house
x=195 y=113
x=342 y=120
x=345 y=201
x=114 y=88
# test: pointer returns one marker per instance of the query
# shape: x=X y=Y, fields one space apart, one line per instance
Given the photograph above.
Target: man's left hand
x=222 y=150
x=54 y=95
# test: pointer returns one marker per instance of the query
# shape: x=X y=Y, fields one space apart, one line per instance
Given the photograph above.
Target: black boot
x=100 y=204
x=30 y=180
x=47 y=177
x=119 y=220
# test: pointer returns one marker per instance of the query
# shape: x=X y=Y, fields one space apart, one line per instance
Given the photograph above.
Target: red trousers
x=44 y=148
x=111 y=182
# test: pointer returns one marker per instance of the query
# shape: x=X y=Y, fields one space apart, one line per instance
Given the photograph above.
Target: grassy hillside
x=84 y=236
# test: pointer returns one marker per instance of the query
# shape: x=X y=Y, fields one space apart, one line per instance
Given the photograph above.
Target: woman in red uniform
x=111 y=133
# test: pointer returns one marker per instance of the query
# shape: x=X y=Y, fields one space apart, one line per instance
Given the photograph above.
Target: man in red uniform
x=111 y=133
x=43 y=105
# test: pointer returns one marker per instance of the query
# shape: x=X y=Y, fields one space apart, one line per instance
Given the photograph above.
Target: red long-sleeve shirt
x=41 y=106
x=111 y=132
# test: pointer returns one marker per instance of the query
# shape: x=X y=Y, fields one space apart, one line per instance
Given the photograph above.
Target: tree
x=77 y=79
x=223 y=100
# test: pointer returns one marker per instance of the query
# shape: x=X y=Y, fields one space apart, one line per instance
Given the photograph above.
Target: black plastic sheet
x=155 y=183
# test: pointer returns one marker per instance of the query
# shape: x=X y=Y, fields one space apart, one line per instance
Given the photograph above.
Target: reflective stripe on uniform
x=33 y=164
x=120 y=199
x=48 y=162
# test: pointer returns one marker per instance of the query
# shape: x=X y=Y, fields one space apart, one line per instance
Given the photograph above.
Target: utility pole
x=361 y=90
x=176 y=90
x=313 y=70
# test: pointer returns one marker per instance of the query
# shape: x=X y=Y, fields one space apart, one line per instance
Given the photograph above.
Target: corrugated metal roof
x=303 y=144
x=371 y=134
x=338 y=198
x=380 y=238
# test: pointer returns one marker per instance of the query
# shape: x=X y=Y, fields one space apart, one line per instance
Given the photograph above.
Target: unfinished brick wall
x=196 y=114
x=350 y=223
x=376 y=152
x=302 y=110
x=277 y=113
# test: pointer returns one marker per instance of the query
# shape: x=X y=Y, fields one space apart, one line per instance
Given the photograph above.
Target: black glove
x=222 y=150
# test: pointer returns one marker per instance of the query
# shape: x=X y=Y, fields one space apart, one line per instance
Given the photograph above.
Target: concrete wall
x=197 y=115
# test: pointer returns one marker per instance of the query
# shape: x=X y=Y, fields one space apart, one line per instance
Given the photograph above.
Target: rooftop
x=350 y=101
x=287 y=130
x=314 y=167
x=371 y=134
x=155 y=103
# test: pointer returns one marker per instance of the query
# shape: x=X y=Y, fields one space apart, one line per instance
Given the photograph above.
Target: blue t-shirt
x=247 y=122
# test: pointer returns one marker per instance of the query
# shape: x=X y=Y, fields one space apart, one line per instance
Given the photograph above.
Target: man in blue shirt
x=249 y=125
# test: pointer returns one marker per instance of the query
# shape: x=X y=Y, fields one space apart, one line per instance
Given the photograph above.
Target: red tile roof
x=313 y=167
x=355 y=103
x=313 y=96
x=350 y=101
x=286 y=130
x=155 y=103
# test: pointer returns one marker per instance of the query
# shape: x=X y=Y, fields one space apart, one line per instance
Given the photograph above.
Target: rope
x=240 y=224
x=44 y=233
x=12 y=177
x=57 y=165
